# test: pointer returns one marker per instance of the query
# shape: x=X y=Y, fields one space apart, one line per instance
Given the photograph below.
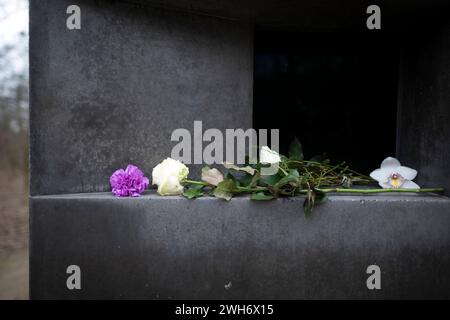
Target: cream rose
x=168 y=176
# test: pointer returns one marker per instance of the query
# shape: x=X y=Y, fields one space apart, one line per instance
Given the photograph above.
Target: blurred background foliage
x=14 y=103
x=13 y=89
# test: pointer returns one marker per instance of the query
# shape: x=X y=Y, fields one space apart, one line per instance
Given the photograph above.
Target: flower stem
x=247 y=189
x=342 y=190
x=198 y=183
x=329 y=190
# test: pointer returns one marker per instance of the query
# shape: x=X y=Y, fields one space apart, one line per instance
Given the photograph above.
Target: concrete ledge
x=171 y=248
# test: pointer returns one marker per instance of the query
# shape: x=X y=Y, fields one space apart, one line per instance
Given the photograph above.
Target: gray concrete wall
x=423 y=140
x=111 y=93
x=172 y=248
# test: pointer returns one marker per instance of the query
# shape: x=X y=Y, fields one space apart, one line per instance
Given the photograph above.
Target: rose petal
x=170 y=186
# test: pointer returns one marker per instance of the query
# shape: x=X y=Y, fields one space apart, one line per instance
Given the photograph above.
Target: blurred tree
x=13 y=90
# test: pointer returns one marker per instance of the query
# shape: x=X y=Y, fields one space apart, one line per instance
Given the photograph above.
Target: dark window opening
x=337 y=92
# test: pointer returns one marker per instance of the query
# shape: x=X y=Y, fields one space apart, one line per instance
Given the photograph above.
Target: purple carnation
x=128 y=182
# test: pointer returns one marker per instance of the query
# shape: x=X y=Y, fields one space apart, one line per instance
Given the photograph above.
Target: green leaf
x=261 y=196
x=318 y=158
x=313 y=198
x=296 y=150
x=246 y=169
x=307 y=207
x=255 y=180
x=193 y=191
x=308 y=204
x=249 y=181
x=321 y=197
x=245 y=180
x=292 y=178
x=272 y=179
x=229 y=176
x=225 y=189
x=194 y=186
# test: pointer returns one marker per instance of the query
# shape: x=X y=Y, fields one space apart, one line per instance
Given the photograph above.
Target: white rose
x=268 y=156
x=168 y=176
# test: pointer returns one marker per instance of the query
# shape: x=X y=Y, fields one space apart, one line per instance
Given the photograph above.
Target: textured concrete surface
x=112 y=93
x=424 y=106
x=171 y=248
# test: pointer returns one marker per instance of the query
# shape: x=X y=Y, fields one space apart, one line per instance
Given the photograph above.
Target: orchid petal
x=390 y=163
x=407 y=173
x=385 y=185
x=380 y=175
x=410 y=185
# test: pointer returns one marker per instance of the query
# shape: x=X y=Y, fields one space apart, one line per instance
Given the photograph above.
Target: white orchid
x=168 y=176
x=392 y=174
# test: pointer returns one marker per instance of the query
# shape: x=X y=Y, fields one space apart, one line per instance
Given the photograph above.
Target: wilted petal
x=407 y=173
x=212 y=176
x=246 y=169
x=380 y=175
x=410 y=185
x=390 y=163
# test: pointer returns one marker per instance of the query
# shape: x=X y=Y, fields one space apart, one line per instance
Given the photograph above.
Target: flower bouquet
x=288 y=176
